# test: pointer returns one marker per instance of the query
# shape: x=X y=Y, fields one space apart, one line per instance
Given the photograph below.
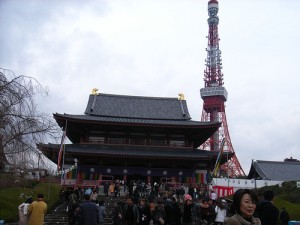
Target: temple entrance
x=136 y=178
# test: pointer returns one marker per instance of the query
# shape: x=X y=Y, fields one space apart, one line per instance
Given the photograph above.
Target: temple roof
x=77 y=125
x=138 y=107
x=136 y=121
x=277 y=171
x=131 y=113
x=129 y=151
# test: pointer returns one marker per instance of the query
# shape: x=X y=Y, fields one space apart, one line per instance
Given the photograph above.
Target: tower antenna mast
x=214 y=95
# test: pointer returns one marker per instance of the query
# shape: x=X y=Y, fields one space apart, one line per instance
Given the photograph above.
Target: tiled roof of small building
x=277 y=171
x=138 y=107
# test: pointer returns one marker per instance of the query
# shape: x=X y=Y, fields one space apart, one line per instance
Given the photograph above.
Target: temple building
x=133 y=137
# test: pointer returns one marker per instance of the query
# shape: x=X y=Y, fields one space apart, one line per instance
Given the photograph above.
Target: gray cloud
x=155 y=48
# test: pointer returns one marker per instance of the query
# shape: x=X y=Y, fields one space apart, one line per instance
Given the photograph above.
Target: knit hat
x=40 y=195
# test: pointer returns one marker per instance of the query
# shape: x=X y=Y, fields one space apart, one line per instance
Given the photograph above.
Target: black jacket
x=267 y=212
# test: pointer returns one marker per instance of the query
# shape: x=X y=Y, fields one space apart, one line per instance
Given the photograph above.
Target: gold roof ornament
x=94 y=91
x=181 y=96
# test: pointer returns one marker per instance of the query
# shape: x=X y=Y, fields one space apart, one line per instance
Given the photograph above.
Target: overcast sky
x=157 y=48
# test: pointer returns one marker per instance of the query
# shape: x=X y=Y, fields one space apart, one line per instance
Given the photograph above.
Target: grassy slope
x=10 y=198
x=292 y=208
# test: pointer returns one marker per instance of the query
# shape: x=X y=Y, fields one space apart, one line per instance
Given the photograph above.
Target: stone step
x=59 y=215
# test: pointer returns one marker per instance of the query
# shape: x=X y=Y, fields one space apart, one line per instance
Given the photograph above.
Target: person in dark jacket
x=170 y=214
x=102 y=212
x=144 y=212
x=117 y=213
x=88 y=213
x=205 y=210
x=159 y=214
x=266 y=211
x=188 y=207
x=177 y=212
x=130 y=213
x=105 y=188
x=284 y=217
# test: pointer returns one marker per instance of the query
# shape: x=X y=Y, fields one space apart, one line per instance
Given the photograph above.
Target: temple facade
x=133 y=137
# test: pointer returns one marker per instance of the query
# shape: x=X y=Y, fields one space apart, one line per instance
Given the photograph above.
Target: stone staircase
x=59 y=215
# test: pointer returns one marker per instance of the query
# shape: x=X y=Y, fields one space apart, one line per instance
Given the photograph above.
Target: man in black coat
x=266 y=210
x=131 y=214
x=88 y=212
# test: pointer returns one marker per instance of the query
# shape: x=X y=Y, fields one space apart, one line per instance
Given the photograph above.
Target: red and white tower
x=214 y=95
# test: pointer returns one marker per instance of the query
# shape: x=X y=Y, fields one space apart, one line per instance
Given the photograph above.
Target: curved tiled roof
x=92 y=118
x=130 y=151
x=125 y=106
x=277 y=171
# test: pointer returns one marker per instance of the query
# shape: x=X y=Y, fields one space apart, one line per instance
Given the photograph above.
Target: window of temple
x=116 y=140
x=137 y=141
x=177 y=140
x=180 y=143
x=94 y=139
x=158 y=142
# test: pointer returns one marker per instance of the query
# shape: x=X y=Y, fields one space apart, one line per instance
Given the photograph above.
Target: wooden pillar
x=148 y=179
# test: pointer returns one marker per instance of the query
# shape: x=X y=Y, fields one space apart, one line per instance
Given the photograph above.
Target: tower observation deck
x=214 y=95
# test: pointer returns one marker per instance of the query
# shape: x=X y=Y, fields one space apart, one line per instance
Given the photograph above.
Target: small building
x=288 y=170
x=133 y=137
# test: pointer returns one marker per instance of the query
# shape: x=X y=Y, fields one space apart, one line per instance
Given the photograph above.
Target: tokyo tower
x=214 y=95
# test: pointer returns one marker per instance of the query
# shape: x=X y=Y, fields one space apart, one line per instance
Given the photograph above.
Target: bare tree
x=22 y=126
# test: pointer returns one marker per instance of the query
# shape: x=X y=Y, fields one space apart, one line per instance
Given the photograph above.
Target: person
x=284 y=217
x=177 y=211
x=117 y=213
x=88 y=191
x=94 y=195
x=73 y=220
x=159 y=214
x=205 y=210
x=72 y=201
x=266 y=210
x=187 y=217
x=37 y=211
x=23 y=211
x=105 y=188
x=111 y=189
x=244 y=204
x=213 y=196
x=170 y=213
x=88 y=213
x=221 y=212
x=144 y=212
x=102 y=212
x=130 y=212
x=212 y=213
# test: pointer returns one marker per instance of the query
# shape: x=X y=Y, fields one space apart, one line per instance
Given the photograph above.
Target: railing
x=82 y=183
x=135 y=141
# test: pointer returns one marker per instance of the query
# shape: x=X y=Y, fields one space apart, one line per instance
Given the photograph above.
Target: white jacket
x=221 y=214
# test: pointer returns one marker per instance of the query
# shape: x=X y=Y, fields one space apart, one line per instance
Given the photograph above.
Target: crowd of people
x=161 y=205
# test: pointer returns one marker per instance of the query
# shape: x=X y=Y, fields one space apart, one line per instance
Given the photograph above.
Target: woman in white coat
x=23 y=212
x=221 y=212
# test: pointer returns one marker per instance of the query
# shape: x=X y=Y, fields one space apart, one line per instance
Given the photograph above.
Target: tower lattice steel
x=214 y=95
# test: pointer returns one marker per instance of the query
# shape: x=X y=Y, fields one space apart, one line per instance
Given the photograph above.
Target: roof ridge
x=277 y=162
x=139 y=96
